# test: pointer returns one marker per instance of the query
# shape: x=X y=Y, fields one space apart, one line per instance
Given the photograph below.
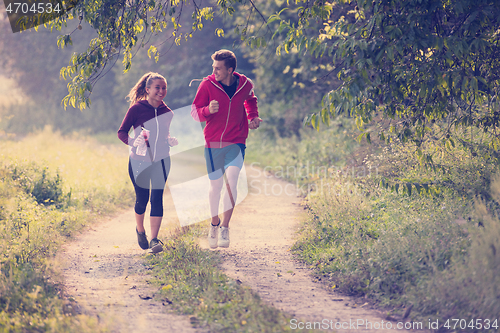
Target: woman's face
x=157 y=91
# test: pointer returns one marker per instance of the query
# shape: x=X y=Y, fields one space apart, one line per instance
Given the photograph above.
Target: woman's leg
x=139 y=220
x=141 y=201
x=156 y=212
x=159 y=177
x=155 y=225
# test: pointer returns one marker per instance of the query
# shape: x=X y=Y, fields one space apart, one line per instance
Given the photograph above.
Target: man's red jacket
x=230 y=124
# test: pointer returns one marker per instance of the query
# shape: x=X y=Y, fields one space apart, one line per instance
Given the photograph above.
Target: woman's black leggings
x=146 y=177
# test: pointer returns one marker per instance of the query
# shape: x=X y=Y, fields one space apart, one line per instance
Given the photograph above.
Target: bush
x=471 y=287
x=384 y=224
x=36 y=181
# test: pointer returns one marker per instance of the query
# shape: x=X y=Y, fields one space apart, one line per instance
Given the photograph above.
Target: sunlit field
x=86 y=166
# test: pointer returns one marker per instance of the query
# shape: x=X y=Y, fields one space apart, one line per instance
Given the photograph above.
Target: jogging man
x=226 y=102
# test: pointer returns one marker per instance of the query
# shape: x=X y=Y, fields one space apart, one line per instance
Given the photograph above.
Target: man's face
x=222 y=74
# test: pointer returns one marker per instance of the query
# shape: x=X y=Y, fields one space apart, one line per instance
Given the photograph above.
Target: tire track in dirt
x=104 y=272
x=262 y=231
x=103 y=268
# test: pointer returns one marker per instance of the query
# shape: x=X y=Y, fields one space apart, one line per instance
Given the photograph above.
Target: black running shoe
x=156 y=245
x=142 y=239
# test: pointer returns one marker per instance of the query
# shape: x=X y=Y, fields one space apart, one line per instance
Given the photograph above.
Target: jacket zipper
x=229 y=110
x=157 y=133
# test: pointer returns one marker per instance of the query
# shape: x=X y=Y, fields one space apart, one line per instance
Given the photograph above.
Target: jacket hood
x=145 y=103
x=241 y=77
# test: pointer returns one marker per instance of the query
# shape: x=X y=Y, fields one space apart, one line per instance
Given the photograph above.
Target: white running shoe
x=224 y=237
x=213 y=235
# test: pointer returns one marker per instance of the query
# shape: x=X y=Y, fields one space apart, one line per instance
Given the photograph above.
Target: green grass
x=190 y=279
x=436 y=251
x=89 y=169
x=306 y=159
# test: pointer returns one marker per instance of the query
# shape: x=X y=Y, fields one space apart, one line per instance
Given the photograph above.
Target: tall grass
x=51 y=186
x=304 y=160
x=425 y=254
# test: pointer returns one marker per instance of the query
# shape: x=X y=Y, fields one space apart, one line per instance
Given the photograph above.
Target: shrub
x=37 y=181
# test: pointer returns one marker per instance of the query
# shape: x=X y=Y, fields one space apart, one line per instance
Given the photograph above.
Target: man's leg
x=214 y=198
x=231 y=176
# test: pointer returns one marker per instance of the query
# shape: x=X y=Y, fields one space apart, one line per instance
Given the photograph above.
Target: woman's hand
x=172 y=141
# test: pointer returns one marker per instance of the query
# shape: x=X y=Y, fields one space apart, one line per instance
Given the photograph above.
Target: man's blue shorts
x=218 y=159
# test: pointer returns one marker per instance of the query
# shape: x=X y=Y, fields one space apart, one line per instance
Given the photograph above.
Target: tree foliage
x=33 y=62
x=290 y=85
x=123 y=28
x=406 y=64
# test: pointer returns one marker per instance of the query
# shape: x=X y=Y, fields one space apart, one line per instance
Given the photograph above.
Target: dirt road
x=105 y=275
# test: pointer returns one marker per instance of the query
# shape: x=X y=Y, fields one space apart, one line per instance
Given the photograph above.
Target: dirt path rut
x=105 y=275
x=262 y=231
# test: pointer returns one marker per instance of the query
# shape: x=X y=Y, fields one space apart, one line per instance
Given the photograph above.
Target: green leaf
x=152 y=52
x=316 y=121
x=417 y=187
x=313 y=120
x=219 y=32
x=325 y=116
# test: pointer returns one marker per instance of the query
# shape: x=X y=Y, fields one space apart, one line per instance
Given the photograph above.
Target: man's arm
x=252 y=110
x=200 y=110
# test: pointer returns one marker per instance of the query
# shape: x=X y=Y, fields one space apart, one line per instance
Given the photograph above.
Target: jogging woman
x=149 y=162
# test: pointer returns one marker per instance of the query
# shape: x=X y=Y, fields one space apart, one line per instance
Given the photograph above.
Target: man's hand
x=213 y=107
x=255 y=123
